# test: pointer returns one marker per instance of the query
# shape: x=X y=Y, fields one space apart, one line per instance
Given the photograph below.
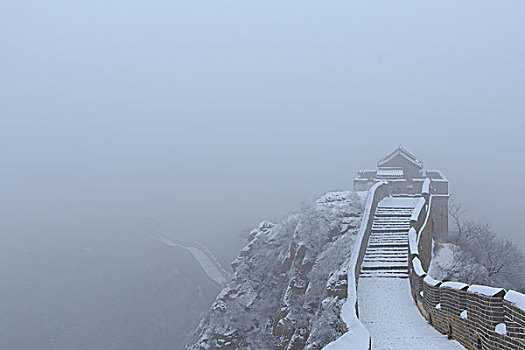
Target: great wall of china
x=208 y=262
x=392 y=303
x=406 y=207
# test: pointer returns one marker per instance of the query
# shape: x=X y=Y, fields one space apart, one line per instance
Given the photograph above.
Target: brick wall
x=478 y=317
x=470 y=314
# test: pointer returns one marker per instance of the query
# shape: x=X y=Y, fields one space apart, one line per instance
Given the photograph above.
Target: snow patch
x=430 y=281
x=418 y=269
x=412 y=241
x=516 y=298
x=501 y=329
x=417 y=209
x=426 y=186
x=484 y=290
x=464 y=314
x=454 y=285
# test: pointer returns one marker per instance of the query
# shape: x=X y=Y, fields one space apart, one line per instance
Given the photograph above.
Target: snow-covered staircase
x=387 y=251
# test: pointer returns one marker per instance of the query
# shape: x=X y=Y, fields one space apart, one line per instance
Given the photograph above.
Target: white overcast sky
x=213 y=115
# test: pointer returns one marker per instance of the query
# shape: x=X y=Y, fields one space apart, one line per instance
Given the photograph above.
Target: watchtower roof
x=403 y=152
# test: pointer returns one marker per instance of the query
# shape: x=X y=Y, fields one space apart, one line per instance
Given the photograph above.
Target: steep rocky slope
x=288 y=285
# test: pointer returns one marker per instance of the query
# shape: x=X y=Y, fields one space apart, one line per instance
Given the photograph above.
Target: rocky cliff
x=288 y=285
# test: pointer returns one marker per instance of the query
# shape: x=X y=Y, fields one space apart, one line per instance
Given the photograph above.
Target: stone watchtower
x=406 y=175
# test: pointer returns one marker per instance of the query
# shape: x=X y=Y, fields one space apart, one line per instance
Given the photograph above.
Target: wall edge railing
x=355 y=335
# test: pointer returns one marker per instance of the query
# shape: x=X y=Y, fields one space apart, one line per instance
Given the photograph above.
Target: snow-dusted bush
x=474 y=253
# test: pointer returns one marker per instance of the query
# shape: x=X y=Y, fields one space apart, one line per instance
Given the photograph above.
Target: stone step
x=391 y=214
x=387 y=235
x=380 y=269
x=390 y=250
x=392 y=218
x=385 y=258
x=384 y=265
x=373 y=241
x=385 y=245
x=390 y=261
x=387 y=229
x=387 y=253
x=394 y=209
x=384 y=275
x=392 y=224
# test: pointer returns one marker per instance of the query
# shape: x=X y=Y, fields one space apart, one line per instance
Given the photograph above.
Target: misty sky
x=211 y=116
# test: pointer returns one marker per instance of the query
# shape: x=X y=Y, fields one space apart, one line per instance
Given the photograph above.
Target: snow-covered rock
x=289 y=282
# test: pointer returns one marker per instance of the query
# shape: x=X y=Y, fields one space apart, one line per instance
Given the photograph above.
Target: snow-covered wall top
x=357 y=336
x=412 y=241
x=417 y=209
x=430 y=281
x=426 y=186
x=418 y=269
x=516 y=298
x=485 y=290
x=454 y=285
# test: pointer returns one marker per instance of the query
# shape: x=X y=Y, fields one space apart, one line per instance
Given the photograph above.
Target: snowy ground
x=388 y=311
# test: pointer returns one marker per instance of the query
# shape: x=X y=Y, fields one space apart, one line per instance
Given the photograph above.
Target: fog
x=212 y=116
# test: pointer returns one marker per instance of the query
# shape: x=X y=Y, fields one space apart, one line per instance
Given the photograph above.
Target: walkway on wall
x=388 y=311
x=204 y=257
x=386 y=307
